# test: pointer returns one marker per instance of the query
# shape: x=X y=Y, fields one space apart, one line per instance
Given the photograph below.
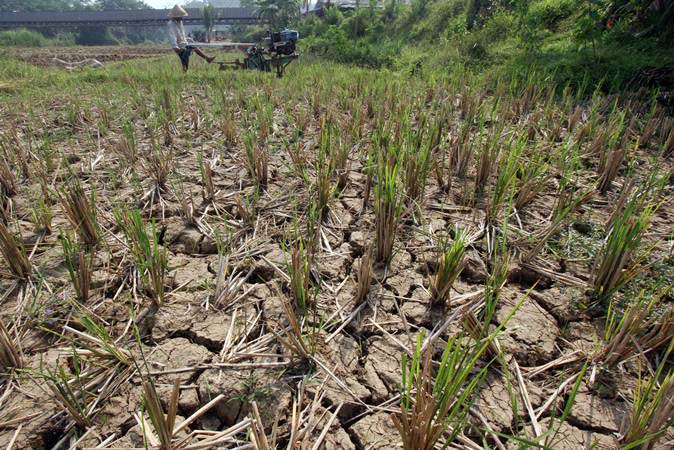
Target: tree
x=209 y=21
x=113 y=5
x=41 y=5
x=279 y=13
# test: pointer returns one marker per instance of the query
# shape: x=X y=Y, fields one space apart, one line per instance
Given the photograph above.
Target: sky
x=162 y=3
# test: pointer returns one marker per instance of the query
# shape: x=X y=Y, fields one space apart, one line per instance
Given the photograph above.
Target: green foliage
x=38 y=5
x=550 y=13
x=29 y=38
x=116 y=5
x=22 y=38
x=279 y=13
x=592 y=42
x=82 y=35
x=209 y=21
x=335 y=45
x=69 y=5
x=95 y=36
x=477 y=10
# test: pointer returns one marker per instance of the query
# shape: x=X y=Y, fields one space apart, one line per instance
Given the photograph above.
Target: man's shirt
x=177 y=34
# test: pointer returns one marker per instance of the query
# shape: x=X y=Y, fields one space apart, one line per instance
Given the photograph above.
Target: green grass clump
x=81 y=211
x=435 y=401
x=80 y=266
x=299 y=270
x=449 y=266
x=388 y=208
x=652 y=409
x=150 y=258
x=619 y=260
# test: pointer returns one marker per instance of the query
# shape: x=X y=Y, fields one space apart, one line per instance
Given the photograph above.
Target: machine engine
x=276 y=51
x=282 y=42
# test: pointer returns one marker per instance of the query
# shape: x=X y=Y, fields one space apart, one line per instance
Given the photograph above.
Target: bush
x=473 y=46
x=95 y=36
x=549 y=13
x=445 y=17
x=336 y=45
x=22 y=38
x=333 y=16
x=312 y=25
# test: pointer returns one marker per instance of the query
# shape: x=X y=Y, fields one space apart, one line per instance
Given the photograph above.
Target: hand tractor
x=274 y=53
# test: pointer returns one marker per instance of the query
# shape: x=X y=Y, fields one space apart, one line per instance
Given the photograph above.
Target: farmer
x=179 y=40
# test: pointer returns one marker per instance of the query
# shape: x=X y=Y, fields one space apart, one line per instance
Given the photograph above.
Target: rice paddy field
x=338 y=259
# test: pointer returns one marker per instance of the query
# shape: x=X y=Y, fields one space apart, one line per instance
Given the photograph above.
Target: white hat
x=177 y=12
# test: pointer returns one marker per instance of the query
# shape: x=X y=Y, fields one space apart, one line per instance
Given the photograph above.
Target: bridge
x=126 y=18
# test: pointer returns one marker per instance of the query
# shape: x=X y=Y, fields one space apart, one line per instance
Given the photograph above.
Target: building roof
x=222 y=15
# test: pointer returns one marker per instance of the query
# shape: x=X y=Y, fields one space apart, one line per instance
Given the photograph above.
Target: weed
x=150 y=258
x=206 y=172
x=246 y=212
x=163 y=423
x=364 y=278
x=81 y=211
x=617 y=262
x=450 y=263
x=188 y=209
x=324 y=189
x=417 y=161
x=8 y=181
x=159 y=163
x=435 y=403
x=97 y=341
x=637 y=330
x=127 y=146
x=70 y=391
x=80 y=266
x=257 y=160
x=388 y=209
x=532 y=180
x=295 y=340
x=15 y=254
x=652 y=408
x=10 y=351
x=299 y=270
x=42 y=215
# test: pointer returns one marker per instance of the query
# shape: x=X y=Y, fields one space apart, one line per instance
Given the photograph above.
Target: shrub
x=22 y=38
x=336 y=45
x=549 y=13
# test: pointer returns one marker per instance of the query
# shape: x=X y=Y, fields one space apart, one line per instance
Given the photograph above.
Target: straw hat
x=177 y=12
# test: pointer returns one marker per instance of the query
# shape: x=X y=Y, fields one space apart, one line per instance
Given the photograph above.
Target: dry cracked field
x=340 y=259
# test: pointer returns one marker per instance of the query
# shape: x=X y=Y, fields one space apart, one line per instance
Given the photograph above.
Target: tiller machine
x=274 y=53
